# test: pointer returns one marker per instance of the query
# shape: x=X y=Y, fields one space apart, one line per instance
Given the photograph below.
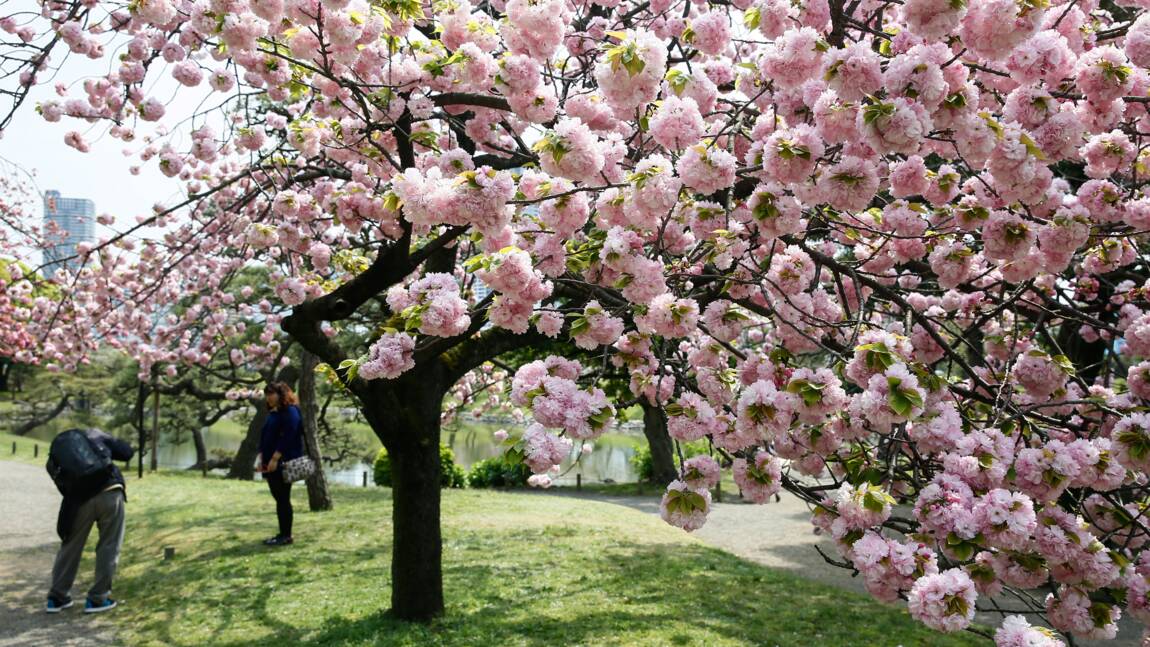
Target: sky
x=101 y=175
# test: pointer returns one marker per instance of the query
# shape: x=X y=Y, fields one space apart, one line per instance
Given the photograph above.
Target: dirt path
x=28 y=544
x=778 y=534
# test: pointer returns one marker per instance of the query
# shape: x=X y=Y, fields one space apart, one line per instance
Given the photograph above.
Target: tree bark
x=38 y=421
x=318 y=497
x=201 y=448
x=155 y=421
x=244 y=463
x=416 y=560
x=662 y=449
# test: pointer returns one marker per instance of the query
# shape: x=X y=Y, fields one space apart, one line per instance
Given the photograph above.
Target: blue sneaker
x=99 y=607
x=56 y=606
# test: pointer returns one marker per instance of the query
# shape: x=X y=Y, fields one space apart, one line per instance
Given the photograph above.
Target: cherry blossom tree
x=887 y=256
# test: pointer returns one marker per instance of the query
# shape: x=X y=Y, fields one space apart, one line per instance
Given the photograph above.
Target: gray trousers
x=105 y=511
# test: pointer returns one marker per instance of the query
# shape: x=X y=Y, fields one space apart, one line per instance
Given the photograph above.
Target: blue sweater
x=283 y=433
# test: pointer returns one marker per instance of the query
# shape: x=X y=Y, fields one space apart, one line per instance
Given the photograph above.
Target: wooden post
x=35 y=451
x=718 y=493
x=140 y=445
x=155 y=419
x=169 y=553
x=13 y=446
x=578 y=482
x=365 y=479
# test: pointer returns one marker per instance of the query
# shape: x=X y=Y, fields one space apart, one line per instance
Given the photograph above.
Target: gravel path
x=779 y=534
x=28 y=544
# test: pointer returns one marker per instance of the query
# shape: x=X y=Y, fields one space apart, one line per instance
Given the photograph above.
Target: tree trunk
x=416 y=558
x=244 y=463
x=662 y=449
x=409 y=418
x=38 y=421
x=155 y=423
x=318 y=497
x=201 y=448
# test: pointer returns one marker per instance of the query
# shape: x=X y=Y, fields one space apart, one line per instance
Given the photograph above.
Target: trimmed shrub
x=451 y=476
x=641 y=461
x=498 y=472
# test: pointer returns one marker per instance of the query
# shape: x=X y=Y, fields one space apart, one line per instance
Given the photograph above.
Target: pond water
x=609 y=460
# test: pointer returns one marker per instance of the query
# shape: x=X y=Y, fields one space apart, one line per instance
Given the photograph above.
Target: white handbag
x=298 y=469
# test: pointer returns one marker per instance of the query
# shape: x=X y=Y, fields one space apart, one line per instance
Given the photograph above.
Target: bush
x=451 y=476
x=641 y=461
x=498 y=472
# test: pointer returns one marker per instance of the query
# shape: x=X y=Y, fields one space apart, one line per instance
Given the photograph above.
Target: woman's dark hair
x=287 y=396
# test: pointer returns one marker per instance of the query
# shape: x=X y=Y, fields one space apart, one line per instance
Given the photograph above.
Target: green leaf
x=962 y=549
x=877 y=356
x=1100 y=614
x=832 y=70
x=476 y=263
x=579 y=326
x=955 y=101
x=790 y=150
x=875 y=110
x=752 y=18
x=871 y=475
x=875 y=500
x=677 y=80
x=902 y=400
x=811 y=392
x=759 y=475
x=1065 y=364
x=601 y=417
x=1136 y=441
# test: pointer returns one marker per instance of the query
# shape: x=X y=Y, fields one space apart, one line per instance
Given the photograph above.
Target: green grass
x=24 y=449
x=519 y=569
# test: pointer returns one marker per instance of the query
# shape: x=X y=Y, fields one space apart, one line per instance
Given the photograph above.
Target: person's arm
x=120 y=450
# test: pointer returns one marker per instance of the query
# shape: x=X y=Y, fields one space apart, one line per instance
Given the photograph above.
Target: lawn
x=25 y=449
x=519 y=568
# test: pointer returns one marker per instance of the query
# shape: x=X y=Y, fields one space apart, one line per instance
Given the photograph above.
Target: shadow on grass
x=620 y=593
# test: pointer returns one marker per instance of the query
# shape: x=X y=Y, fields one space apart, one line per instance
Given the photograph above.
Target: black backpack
x=79 y=465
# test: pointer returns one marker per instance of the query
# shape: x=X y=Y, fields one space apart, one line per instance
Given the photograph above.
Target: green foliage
x=498 y=472
x=451 y=474
x=641 y=461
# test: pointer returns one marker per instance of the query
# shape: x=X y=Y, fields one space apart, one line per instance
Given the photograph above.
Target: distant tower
x=481 y=290
x=67 y=222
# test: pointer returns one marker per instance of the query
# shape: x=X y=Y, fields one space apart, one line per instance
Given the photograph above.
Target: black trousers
x=281 y=492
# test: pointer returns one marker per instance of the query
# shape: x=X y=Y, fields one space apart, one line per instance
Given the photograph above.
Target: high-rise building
x=67 y=222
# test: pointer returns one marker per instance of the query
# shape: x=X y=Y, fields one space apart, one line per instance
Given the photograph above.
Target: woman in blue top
x=281 y=440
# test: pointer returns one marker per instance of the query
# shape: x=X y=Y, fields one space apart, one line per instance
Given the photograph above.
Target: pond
x=609 y=460
x=471 y=440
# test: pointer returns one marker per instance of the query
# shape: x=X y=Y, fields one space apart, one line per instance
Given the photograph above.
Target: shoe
x=273 y=541
x=55 y=606
x=94 y=607
x=279 y=541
